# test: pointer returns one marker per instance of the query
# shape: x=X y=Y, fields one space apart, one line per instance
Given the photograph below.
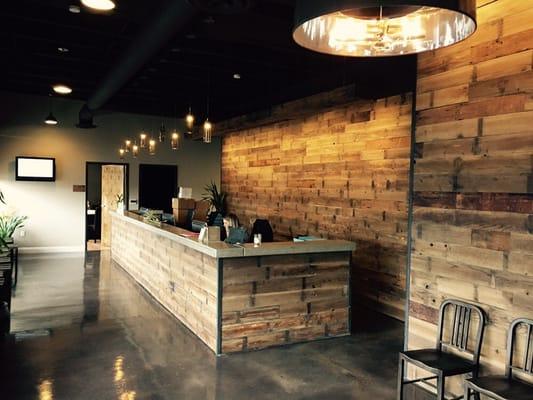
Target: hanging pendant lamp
x=373 y=28
x=208 y=125
x=50 y=119
x=162 y=133
x=189 y=121
x=135 y=150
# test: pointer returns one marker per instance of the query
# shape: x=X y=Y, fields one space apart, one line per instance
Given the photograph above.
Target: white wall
x=56 y=213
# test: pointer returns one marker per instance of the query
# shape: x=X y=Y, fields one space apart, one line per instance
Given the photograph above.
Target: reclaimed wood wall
x=339 y=173
x=473 y=203
x=275 y=300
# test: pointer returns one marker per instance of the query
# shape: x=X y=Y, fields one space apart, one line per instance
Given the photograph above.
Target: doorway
x=105 y=183
x=158 y=184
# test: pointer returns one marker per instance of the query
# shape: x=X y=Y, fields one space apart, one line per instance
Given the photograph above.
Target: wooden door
x=112 y=186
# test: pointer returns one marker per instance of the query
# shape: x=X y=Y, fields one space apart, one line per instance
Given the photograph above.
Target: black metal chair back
x=462 y=324
x=526 y=364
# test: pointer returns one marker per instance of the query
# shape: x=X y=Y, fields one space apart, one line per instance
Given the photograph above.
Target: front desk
x=239 y=297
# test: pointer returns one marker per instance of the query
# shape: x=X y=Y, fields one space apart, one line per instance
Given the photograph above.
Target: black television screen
x=35 y=169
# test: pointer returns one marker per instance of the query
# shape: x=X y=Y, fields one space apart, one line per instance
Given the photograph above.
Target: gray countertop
x=225 y=250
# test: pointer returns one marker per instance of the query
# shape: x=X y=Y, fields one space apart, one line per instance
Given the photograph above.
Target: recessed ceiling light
x=102 y=5
x=63 y=49
x=62 y=89
x=236 y=76
x=74 y=9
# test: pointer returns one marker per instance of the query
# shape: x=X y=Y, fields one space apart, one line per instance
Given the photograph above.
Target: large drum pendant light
x=373 y=28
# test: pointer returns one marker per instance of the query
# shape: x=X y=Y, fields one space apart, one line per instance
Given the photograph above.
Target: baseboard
x=52 y=249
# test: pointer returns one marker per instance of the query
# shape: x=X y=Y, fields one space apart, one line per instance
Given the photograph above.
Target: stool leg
x=467 y=392
x=401 y=368
x=441 y=381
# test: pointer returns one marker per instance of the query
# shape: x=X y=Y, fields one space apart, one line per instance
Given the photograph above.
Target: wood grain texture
x=275 y=300
x=340 y=173
x=179 y=277
x=473 y=205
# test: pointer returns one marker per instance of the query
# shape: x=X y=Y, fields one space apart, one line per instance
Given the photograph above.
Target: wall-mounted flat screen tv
x=35 y=169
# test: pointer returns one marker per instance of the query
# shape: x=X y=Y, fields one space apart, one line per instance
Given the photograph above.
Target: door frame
x=126 y=190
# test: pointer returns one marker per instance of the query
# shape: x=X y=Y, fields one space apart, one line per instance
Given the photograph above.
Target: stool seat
x=435 y=360
x=502 y=387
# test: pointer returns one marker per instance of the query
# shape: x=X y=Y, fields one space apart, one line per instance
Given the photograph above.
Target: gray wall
x=56 y=213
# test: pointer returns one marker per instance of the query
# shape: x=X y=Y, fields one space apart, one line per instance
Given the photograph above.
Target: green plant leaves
x=8 y=225
x=216 y=199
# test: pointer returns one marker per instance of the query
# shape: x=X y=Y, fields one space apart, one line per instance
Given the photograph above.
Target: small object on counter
x=213 y=233
x=185 y=193
x=257 y=239
x=202 y=235
x=306 y=238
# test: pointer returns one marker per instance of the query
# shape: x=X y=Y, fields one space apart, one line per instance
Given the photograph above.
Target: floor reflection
x=83 y=329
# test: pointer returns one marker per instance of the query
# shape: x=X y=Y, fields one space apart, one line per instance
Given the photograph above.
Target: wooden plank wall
x=180 y=278
x=341 y=173
x=473 y=203
x=274 y=300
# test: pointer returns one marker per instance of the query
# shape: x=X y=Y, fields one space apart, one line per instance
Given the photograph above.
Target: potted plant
x=217 y=204
x=9 y=222
x=120 y=203
x=150 y=217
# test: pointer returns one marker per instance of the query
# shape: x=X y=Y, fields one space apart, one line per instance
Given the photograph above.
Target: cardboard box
x=180 y=216
x=185 y=193
x=183 y=204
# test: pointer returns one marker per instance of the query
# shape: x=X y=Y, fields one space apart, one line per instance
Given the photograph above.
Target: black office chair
x=263 y=227
x=507 y=387
x=441 y=363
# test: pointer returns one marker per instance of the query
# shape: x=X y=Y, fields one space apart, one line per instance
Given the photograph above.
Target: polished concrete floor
x=82 y=329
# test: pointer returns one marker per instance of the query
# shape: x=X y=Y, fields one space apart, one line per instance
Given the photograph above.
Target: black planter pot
x=215 y=219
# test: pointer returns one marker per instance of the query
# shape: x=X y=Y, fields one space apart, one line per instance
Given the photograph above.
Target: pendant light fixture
x=121 y=153
x=175 y=137
x=143 y=137
x=151 y=147
x=208 y=126
x=50 y=119
x=175 y=141
x=162 y=133
x=135 y=150
x=373 y=28
x=127 y=146
x=189 y=121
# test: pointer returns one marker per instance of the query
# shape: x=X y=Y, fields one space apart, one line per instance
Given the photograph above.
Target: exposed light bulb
x=135 y=150
x=151 y=147
x=127 y=147
x=121 y=153
x=189 y=121
x=175 y=141
x=142 y=142
x=208 y=131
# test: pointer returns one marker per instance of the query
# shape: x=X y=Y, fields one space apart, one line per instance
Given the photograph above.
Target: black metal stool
x=444 y=364
x=507 y=387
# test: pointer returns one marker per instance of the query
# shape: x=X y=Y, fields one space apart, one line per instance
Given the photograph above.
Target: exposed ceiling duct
x=152 y=39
